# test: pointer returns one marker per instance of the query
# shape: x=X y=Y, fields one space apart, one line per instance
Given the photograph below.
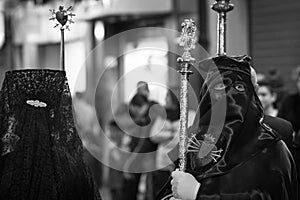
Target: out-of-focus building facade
x=267 y=30
x=32 y=42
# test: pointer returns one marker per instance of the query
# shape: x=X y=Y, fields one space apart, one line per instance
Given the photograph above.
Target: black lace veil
x=41 y=152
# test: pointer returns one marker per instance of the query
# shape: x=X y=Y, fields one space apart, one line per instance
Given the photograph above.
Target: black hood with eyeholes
x=228 y=130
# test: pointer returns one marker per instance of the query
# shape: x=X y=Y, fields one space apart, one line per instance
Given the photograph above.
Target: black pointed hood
x=228 y=131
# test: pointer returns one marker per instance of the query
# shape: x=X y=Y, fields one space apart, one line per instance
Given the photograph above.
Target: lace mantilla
x=41 y=152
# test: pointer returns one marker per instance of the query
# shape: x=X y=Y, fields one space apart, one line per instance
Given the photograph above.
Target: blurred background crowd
x=122 y=71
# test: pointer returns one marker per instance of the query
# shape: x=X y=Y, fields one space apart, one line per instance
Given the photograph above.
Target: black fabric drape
x=41 y=152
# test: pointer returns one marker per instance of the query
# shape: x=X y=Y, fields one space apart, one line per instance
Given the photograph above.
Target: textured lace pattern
x=41 y=152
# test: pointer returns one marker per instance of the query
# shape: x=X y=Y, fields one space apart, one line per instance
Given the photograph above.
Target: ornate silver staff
x=187 y=41
x=222 y=7
x=64 y=19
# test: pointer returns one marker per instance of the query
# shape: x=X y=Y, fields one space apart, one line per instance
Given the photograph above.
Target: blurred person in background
x=137 y=124
x=290 y=110
x=277 y=84
x=88 y=128
x=129 y=118
x=165 y=132
x=275 y=78
x=260 y=77
x=143 y=89
x=267 y=97
x=117 y=157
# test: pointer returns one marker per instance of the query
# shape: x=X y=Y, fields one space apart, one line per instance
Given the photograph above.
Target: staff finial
x=63 y=18
x=188 y=38
x=222 y=7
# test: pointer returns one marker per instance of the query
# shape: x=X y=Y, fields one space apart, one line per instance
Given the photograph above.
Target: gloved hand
x=184 y=185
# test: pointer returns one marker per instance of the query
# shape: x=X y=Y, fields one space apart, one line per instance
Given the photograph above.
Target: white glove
x=184 y=185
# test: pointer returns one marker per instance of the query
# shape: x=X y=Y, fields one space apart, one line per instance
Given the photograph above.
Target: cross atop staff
x=222 y=7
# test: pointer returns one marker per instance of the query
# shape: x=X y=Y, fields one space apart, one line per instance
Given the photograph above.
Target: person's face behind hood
x=226 y=97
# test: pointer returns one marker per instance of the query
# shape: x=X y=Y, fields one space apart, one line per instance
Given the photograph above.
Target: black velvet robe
x=232 y=152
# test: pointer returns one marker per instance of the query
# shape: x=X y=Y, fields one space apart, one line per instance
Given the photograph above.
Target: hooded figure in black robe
x=232 y=152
